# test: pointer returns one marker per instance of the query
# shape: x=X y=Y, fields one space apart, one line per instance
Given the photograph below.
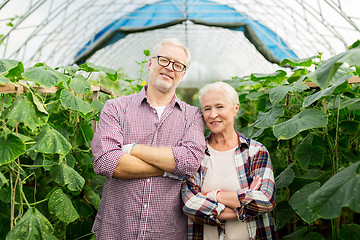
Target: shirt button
x=148 y=180
x=145 y=206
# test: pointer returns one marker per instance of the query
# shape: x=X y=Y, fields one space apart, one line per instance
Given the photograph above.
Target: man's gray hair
x=228 y=90
x=174 y=42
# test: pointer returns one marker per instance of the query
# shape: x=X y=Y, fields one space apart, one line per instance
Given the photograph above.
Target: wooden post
x=95 y=96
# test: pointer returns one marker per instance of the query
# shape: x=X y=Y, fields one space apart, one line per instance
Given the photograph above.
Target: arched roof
x=56 y=31
x=167 y=13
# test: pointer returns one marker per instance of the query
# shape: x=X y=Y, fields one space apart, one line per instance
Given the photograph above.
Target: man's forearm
x=160 y=157
x=130 y=167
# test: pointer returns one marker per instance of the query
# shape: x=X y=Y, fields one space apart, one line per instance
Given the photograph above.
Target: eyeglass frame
x=170 y=61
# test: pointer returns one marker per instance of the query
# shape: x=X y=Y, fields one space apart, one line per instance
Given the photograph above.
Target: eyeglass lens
x=163 y=61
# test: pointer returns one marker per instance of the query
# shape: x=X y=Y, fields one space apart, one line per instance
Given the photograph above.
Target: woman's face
x=219 y=112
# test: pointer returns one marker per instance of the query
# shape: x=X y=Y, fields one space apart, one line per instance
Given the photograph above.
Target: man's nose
x=170 y=67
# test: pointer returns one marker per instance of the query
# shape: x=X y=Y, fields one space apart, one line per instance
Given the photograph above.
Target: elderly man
x=145 y=144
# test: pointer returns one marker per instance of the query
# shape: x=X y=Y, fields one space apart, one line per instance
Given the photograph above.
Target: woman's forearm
x=229 y=199
x=227 y=214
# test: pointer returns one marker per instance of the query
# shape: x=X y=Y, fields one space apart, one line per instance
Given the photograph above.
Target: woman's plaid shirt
x=251 y=159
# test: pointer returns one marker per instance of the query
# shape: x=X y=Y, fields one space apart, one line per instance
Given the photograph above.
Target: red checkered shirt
x=146 y=208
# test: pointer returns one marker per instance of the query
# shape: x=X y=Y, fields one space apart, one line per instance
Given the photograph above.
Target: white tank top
x=221 y=174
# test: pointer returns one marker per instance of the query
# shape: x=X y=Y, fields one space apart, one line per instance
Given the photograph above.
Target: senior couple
x=164 y=180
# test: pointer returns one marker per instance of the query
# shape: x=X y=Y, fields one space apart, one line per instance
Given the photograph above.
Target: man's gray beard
x=164 y=88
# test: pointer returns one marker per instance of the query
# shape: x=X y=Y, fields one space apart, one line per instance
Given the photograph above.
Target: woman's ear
x=237 y=106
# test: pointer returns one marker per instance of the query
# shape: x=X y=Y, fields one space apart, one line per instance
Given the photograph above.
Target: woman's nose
x=213 y=114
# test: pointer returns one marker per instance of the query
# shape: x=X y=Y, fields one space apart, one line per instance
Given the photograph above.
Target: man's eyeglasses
x=176 y=66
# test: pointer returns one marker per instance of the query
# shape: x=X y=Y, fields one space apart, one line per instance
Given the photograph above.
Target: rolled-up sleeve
x=190 y=151
x=107 y=140
x=196 y=205
x=262 y=200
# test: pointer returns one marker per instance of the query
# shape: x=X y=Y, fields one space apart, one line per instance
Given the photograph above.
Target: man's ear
x=182 y=76
x=149 y=64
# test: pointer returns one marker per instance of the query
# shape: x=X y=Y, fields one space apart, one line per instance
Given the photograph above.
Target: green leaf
x=11 y=148
x=271 y=76
x=297 y=62
x=323 y=93
x=24 y=111
x=253 y=95
x=61 y=205
x=285 y=177
x=3 y=180
x=299 y=87
x=80 y=230
x=268 y=119
x=283 y=214
x=70 y=160
x=277 y=94
x=146 y=52
x=65 y=175
x=79 y=84
x=300 y=203
x=70 y=101
x=4 y=80
x=11 y=68
x=349 y=103
x=307 y=119
x=312 y=175
x=97 y=105
x=313 y=236
x=32 y=226
x=298 y=75
x=39 y=105
x=341 y=190
x=83 y=208
x=44 y=76
x=85 y=134
x=70 y=69
x=307 y=153
x=93 y=198
x=90 y=67
x=350 y=231
x=51 y=141
x=327 y=69
x=297 y=235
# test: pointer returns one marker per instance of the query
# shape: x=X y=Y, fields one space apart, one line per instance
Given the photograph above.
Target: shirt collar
x=174 y=102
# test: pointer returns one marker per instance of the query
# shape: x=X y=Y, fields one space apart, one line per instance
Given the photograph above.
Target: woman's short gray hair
x=229 y=91
x=174 y=42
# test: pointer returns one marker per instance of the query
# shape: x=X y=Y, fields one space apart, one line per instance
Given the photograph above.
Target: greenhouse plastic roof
x=225 y=38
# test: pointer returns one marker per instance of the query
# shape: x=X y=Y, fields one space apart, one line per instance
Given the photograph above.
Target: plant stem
x=35 y=203
x=336 y=139
x=337 y=220
x=35 y=166
x=2 y=102
x=12 y=201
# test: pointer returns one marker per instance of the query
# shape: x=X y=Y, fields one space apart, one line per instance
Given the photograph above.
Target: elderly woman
x=233 y=193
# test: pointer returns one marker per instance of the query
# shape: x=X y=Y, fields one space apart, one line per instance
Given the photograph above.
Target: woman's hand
x=256 y=183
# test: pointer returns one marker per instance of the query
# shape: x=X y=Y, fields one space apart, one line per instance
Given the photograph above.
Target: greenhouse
x=294 y=65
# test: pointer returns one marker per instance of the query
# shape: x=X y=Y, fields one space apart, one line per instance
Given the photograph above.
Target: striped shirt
x=251 y=159
x=146 y=208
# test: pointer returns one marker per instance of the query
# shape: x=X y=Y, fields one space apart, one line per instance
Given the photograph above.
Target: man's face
x=165 y=79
